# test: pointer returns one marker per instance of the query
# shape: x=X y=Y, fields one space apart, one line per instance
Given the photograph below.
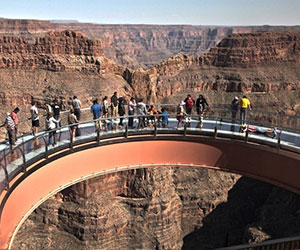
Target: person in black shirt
x=234 y=107
x=114 y=105
x=201 y=105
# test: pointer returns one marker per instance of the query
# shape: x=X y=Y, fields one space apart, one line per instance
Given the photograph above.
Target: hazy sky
x=195 y=12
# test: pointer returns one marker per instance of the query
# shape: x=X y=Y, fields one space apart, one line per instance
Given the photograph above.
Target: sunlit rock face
x=162 y=208
x=138 y=209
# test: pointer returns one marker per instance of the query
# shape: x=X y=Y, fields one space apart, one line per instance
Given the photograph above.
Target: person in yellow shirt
x=245 y=105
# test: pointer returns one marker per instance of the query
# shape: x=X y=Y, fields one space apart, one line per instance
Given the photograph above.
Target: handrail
x=283 y=243
x=225 y=109
x=215 y=128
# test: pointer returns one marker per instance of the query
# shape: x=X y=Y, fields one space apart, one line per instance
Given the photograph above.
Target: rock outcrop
x=46 y=52
x=161 y=208
x=138 y=209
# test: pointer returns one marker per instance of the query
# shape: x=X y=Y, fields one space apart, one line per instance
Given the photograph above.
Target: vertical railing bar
x=5 y=169
x=126 y=131
x=185 y=129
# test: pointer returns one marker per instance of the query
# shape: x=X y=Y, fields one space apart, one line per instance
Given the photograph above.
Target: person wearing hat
x=234 y=107
x=180 y=113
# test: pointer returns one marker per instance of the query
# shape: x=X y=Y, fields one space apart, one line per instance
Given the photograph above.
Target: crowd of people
x=147 y=115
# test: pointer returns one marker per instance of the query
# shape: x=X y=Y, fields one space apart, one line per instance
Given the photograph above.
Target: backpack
x=189 y=103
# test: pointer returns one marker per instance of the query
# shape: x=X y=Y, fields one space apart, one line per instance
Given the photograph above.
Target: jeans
x=130 y=120
x=243 y=115
x=52 y=134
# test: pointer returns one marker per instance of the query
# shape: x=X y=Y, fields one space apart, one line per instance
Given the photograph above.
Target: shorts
x=36 y=123
x=179 y=118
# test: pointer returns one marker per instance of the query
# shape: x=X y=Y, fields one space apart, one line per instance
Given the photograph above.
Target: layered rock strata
x=161 y=208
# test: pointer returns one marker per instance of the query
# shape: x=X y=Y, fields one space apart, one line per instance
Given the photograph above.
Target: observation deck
x=33 y=171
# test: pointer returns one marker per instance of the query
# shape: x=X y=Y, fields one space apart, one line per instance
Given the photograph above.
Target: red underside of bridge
x=259 y=162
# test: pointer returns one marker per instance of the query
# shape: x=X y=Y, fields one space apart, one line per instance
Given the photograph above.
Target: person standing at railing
x=189 y=103
x=234 y=107
x=105 y=110
x=164 y=118
x=141 y=112
x=35 y=118
x=14 y=115
x=131 y=107
x=202 y=106
x=114 y=104
x=121 y=110
x=56 y=107
x=245 y=105
x=51 y=123
x=152 y=115
x=72 y=120
x=96 y=109
x=180 y=113
x=10 y=127
x=76 y=103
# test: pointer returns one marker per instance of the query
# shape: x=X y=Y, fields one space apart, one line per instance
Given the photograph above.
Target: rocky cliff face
x=45 y=52
x=138 y=209
x=64 y=63
x=161 y=208
x=137 y=46
x=256 y=64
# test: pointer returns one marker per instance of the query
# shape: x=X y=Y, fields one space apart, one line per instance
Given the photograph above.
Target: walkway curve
x=249 y=159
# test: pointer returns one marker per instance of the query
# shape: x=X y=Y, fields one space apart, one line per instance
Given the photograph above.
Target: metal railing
x=32 y=148
x=217 y=123
x=291 y=243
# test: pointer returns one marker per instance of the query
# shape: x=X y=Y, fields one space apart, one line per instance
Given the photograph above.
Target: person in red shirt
x=14 y=116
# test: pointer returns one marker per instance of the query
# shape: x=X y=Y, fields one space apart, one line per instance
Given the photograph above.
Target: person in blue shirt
x=164 y=118
x=96 y=109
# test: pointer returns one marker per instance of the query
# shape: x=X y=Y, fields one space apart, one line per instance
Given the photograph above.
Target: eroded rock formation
x=161 y=208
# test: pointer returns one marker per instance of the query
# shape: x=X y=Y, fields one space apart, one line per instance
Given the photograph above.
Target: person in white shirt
x=131 y=107
x=34 y=118
x=51 y=126
x=141 y=112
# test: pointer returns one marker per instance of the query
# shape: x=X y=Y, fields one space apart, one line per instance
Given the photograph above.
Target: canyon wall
x=161 y=208
x=137 y=46
x=64 y=63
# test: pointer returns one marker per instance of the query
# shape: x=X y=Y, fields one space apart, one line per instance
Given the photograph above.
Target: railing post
x=155 y=129
x=46 y=149
x=215 y=132
x=98 y=135
x=246 y=135
x=185 y=129
x=71 y=139
x=126 y=131
x=279 y=140
x=5 y=170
